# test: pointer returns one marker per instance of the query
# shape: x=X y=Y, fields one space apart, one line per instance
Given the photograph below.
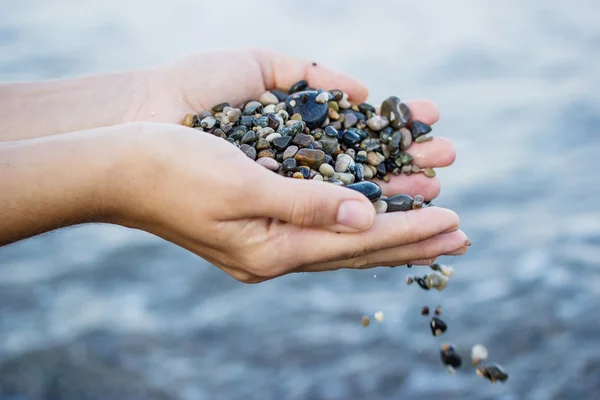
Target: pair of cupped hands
x=202 y=193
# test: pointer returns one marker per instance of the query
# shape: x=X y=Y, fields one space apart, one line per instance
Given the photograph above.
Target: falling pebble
x=438 y=310
x=449 y=356
x=421 y=282
x=478 y=353
x=447 y=270
x=365 y=321
x=492 y=372
x=409 y=280
x=451 y=370
x=437 y=326
x=379 y=316
x=425 y=310
x=153 y=113
x=436 y=281
x=374 y=276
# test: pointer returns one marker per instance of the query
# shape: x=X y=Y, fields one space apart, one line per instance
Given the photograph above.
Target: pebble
x=268 y=163
x=343 y=163
x=310 y=158
x=343 y=102
x=420 y=281
x=399 y=202
x=270 y=109
x=318 y=177
x=253 y=107
x=405 y=138
x=377 y=123
x=298 y=175
x=418 y=128
x=273 y=136
x=350 y=120
x=438 y=327
x=262 y=144
x=449 y=356
x=418 y=202
x=365 y=321
x=208 y=122
x=436 y=281
x=234 y=115
x=268 y=98
x=370 y=189
x=415 y=169
x=380 y=206
x=289 y=165
x=379 y=316
x=397 y=113
x=302 y=140
x=478 y=353
x=322 y=97
x=305 y=171
x=373 y=159
x=438 y=310
x=305 y=104
x=290 y=152
x=188 y=120
x=493 y=373
x=220 y=107
x=249 y=151
x=447 y=270
x=425 y=311
x=298 y=86
x=429 y=172
x=409 y=280
x=422 y=139
x=368 y=173
x=249 y=137
x=266 y=153
x=327 y=170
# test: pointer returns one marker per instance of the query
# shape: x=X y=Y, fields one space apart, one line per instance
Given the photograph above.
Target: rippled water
x=102 y=312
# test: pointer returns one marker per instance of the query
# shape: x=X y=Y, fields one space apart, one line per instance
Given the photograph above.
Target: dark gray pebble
x=437 y=326
x=399 y=202
x=449 y=356
x=249 y=151
x=418 y=128
x=492 y=372
x=273 y=122
x=298 y=87
x=366 y=107
x=249 y=137
x=220 y=107
x=351 y=138
x=369 y=189
x=282 y=143
x=281 y=96
x=253 y=107
x=304 y=103
x=331 y=131
x=305 y=171
x=302 y=140
x=289 y=165
x=337 y=94
x=247 y=120
x=395 y=111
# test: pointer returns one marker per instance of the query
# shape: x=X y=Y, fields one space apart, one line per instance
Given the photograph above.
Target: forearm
x=37 y=109
x=57 y=181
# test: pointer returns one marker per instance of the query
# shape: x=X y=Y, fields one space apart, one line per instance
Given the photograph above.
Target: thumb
x=312 y=203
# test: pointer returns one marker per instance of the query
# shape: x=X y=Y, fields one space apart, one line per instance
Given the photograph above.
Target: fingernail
x=355 y=214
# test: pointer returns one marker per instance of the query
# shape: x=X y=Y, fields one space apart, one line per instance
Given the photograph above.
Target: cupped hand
x=201 y=81
x=202 y=193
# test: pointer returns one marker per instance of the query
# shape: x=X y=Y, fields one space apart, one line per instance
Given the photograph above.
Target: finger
x=437 y=153
x=421 y=110
x=282 y=71
x=388 y=230
x=310 y=203
x=423 y=252
x=412 y=185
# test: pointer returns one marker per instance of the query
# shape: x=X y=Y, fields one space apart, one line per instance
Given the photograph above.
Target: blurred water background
x=99 y=312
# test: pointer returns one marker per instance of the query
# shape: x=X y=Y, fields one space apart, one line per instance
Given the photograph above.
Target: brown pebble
x=332 y=114
x=467 y=242
x=425 y=310
x=314 y=64
x=310 y=158
x=438 y=310
x=298 y=175
x=365 y=321
x=266 y=153
x=188 y=120
x=429 y=172
x=418 y=202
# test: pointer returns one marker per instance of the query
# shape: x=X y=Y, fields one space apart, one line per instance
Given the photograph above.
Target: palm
x=199 y=82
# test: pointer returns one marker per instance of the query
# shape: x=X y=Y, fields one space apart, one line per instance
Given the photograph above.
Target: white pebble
x=380 y=207
x=379 y=316
x=447 y=270
x=208 y=122
x=273 y=136
x=268 y=98
x=374 y=276
x=478 y=353
x=270 y=109
x=344 y=103
x=322 y=97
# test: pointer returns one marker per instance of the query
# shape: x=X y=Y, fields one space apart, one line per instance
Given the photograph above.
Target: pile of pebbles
x=318 y=134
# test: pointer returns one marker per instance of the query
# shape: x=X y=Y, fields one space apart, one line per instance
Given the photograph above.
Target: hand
x=202 y=193
x=201 y=81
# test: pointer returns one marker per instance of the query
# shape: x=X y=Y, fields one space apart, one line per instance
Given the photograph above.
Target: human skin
x=196 y=190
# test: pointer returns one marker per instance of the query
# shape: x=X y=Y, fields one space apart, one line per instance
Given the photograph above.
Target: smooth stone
x=449 y=356
x=327 y=170
x=380 y=206
x=418 y=128
x=305 y=171
x=247 y=120
x=405 y=158
x=328 y=159
x=437 y=326
x=281 y=96
x=414 y=168
x=492 y=372
x=331 y=131
x=318 y=177
x=370 y=144
x=386 y=150
x=269 y=163
x=316 y=145
x=343 y=162
x=334 y=115
x=237 y=133
x=188 y=120
x=329 y=145
x=396 y=141
x=377 y=123
x=265 y=153
x=337 y=94
x=290 y=152
x=407 y=169
x=273 y=121
x=264 y=132
x=429 y=172
x=359 y=172
x=351 y=153
x=208 y=122
x=273 y=136
x=351 y=138
x=295 y=128
x=399 y=202
x=322 y=97
x=283 y=114
x=334 y=106
x=249 y=151
x=262 y=144
x=262 y=121
x=234 y=115
x=298 y=175
x=296 y=117
x=270 y=109
x=305 y=104
x=368 y=173
x=361 y=157
x=373 y=159
x=397 y=113
x=361 y=133
x=219 y=132
x=347 y=178
x=370 y=189
x=289 y=165
x=282 y=142
x=406 y=139
x=381 y=170
x=220 y=107
x=310 y=158
x=336 y=124
x=418 y=202
x=366 y=107
x=350 y=120
x=268 y=98
x=422 y=139
x=344 y=103
x=253 y=107
x=302 y=140
x=248 y=137
x=298 y=86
